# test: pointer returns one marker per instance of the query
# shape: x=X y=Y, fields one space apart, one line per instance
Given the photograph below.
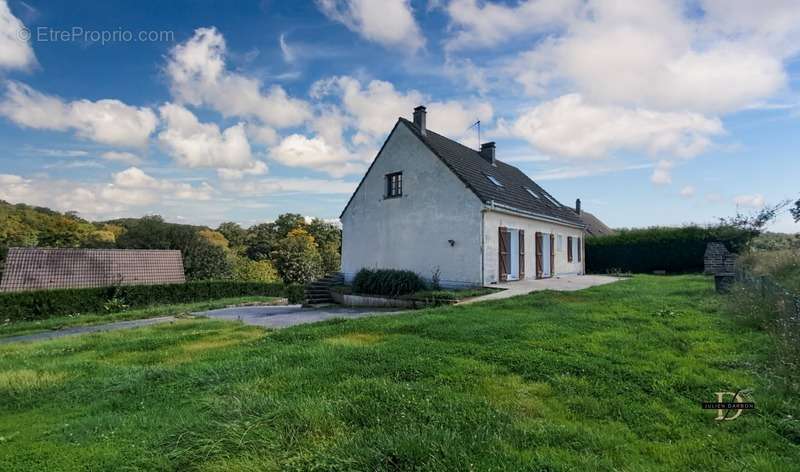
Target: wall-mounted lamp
x=452 y=242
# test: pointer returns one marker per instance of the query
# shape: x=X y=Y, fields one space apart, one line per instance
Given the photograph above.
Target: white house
x=428 y=204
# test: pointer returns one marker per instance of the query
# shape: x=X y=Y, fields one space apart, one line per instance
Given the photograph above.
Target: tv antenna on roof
x=476 y=125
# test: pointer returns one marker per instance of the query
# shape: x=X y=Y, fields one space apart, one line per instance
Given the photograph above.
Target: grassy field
x=16 y=328
x=609 y=378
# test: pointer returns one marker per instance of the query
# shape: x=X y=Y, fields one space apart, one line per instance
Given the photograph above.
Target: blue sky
x=652 y=112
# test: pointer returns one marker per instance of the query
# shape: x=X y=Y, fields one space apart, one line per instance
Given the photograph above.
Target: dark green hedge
x=387 y=282
x=47 y=303
x=658 y=248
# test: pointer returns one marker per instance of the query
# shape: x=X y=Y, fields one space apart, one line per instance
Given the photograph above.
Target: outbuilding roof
x=50 y=268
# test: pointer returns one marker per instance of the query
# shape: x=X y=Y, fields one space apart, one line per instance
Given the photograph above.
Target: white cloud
x=315 y=153
x=124 y=157
x=292 y=185
x=687 y=191
x=288 y=54
x=15 y=48
x=388 y=22
x=130 y=189
x=571 y=128
x=662 y=174
x=198 y=76
x=752 y=201
x=104 y=121
x=651 y=54
x=374 y=109
x=489 y=24
x=195 y=144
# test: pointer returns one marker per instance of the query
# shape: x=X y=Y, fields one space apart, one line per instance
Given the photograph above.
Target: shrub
x=296 y=257
x=43 y=304
x=659 y=248
x=387 y=282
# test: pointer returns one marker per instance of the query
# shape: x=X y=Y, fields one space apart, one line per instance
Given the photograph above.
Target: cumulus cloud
x=652 y=54
x=388 y=22
x=198 y=76
x=488 y=24
x=104 y=121
x=297 y=150
x=374 y=108
x=687 y=191
x=752 y=201
x=195 y=144
x=129 y=189
x=15 y=48
x=273 y=186
x=662 y=173
x=569 y=127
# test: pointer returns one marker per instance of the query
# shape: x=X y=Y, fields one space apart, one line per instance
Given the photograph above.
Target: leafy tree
x=296 y=257
x=795 y=211
x=246 y=270
x=262 y=238
x=329 y=243
x=753 y=224
x=201 y=258
x=236 y=236
x=214 y=238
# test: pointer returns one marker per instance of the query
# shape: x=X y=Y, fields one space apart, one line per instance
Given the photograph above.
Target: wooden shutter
x=569 y=248
x=579 y=249
x=521 y=254
x=503 y=256
x=552 y=255
x=538 y=251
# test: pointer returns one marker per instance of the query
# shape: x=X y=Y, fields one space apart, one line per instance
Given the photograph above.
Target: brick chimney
x=419 y=119
x=487 y=151
x=578 y=206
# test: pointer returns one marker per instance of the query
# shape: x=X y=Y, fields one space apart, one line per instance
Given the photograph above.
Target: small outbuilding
x=52 y=268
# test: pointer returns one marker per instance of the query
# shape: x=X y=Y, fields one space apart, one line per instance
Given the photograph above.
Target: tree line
x=290 y=248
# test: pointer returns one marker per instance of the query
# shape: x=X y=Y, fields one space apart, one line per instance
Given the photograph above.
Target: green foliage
x=775 y=242
x=236 y=236
x=246 y=270
x=46 y=303
x=388 y=282
x=580 y=381
x=659 y=248
x=296 y=257
x=202 y=259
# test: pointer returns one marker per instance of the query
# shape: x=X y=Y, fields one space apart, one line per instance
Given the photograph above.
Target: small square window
x=531 y=192
x=394 y=185
x=494 y=181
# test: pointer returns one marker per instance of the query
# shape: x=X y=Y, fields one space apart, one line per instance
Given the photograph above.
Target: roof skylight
x=552 y=200
x=531 y=192
x=494 y=181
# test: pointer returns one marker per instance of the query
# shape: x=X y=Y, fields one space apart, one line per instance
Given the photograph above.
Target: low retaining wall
x=364 y=300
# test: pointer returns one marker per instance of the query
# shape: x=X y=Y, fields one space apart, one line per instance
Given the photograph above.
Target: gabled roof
x=44 y=268
x=474 y=171
x=594 y=227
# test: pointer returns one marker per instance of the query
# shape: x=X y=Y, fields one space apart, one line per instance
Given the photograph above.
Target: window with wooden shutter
x=538 y=251
x=521 y=254
x=579 y=249
x=503 y=256
x=552 y=255
x=569 y=248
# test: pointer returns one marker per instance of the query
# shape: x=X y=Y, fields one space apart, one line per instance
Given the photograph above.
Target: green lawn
x=610 y=378
x=15 y=328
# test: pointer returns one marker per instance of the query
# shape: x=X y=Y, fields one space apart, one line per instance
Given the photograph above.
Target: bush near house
x=43 y=304
x=659 y=248
x=389 y=282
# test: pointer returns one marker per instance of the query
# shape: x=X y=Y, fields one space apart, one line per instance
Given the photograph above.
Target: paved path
x=87 y=329
x=566 y=283
x=264 y=316
x=290 y=315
